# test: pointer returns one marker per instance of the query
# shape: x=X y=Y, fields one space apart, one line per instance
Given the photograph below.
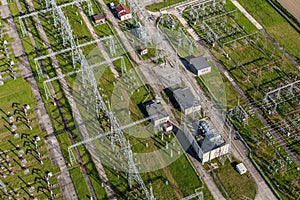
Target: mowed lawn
x=275 y=25
x=16 y=91
x=13 y=95
x=165 y=3
x=237 y=186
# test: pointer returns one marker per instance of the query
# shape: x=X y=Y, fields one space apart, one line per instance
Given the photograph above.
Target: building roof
x=99 y=17
x=122 y=9
x=199 y=62
x=156 y=108
x=241 y=168
x=185 y=98
x=142 y=48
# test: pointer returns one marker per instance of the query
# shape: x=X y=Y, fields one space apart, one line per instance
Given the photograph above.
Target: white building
x=187 y=101
x=156 y=108
x=199 y=66
x=241 y=168
x=143 y=50
x=123 y=12
x=206 y=144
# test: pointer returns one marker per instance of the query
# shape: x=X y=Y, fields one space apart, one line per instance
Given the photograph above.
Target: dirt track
x=293 y=6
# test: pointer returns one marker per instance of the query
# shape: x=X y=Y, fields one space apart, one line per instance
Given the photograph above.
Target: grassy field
x=16 y=93
x=62 y=136
x=257 y=67
x=275 y=25
x=157 y=6
x=236 y=185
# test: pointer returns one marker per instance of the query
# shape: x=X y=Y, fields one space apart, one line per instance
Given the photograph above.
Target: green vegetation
x=157 y=6
x=59 y=128
x=256 y=65
x=14 y=94
x=237 y=186
x=275 y=25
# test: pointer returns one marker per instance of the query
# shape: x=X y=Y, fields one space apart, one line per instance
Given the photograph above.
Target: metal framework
x=240 y=114
x=210 y=24
x=110 y=39
x=182 y=38
x=274 y=95
x=212 y=35
x=46 y=86
x=197 y=194
x=143 y=17
x=50 y=7
x=240 y=38
x=72 y=48
x=198 y=3
x=89 y=82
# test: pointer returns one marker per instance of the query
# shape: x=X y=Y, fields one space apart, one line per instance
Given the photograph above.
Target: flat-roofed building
x=241 y=168
x=155 y=108
x=187 y=101
x=199 y=65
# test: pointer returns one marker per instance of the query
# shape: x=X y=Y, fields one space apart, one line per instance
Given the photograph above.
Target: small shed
x=199 y=65
x=99 y=18
x=168 y=126
x=143 y=50
x=241 y=168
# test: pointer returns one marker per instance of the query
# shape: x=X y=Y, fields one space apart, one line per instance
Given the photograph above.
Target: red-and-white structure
x=123 y=12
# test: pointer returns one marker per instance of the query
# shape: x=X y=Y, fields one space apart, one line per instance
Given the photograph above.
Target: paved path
x=52 y=144
x=207 y=178
x=242 y=9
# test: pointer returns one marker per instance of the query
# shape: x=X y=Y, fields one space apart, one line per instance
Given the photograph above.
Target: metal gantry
x=49 y=8
x=89 y=82
x=240 y=114
x=275 y=94
x=46 y=82
x=140 y=15
x=197 y=194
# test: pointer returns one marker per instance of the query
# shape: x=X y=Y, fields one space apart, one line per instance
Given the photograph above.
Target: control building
x=187 y=101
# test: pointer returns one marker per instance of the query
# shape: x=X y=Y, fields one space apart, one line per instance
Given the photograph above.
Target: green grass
x=80 y=186
x=255 y=56
x=237 y=186
x=157 y=6
x=93 y=174
x=19 y=92
x=53 y=111
x=275 y=25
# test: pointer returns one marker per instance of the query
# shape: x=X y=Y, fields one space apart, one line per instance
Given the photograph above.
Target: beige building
x=199 y=66
x=187 y=101
x=155 y=108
